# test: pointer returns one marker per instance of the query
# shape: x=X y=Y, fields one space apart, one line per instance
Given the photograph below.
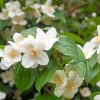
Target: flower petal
x=51 y=32
x=27 y=61
x=42 y=58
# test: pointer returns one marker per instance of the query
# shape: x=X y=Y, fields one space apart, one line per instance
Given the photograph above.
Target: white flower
x=7 y=77
x=60 y=80
x=11 y=56
x=4 y=15
x=85 y=92
x=34 y=54
x=2 y=95
x=48 y=9
x=19 y=20
x=88 y=49
x=17 y=38
x=49 y=37
x=74 y=81
x=94 y=14
x=97 y=97
x=98 y=84
x=13 y=8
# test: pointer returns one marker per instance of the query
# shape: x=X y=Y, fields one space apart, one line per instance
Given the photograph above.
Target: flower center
x=13 y=54
x=33 y=52
x=58 y=80
x=70 y=85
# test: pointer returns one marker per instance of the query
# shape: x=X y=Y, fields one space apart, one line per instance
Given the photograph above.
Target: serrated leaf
x=24 y=78
x=69 y=48
x=45 y=76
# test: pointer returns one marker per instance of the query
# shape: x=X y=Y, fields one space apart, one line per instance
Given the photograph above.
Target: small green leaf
x=31 y=31
x=91 y=73
x=92 y=61
x=80 y=68
x=3 y=24
x=69 y=48
x=45 y=76
x=24 y=78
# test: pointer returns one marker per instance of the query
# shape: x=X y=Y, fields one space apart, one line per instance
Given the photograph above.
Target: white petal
x=7 y=49
x=27 y=61
x=51 y=32
x=98 y=29
x=40 y=33
x=42 y=58
x=2 y=95
x=1 y=53
x=50 y=42
x=17 y=37
x=97 y=97
x=59 y=91
x=11 y=14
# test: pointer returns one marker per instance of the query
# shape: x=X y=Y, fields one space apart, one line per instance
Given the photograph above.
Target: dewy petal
x=51 y=32
x=27 y=61
x=42 y=58
x=17 y=37
x=98 y=29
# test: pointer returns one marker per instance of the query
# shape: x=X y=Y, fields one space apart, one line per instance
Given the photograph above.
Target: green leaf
x=3 y=24
x=96 y=79
x=47 y=97
x=92 y=61
x=60 y=16
x=1 y=3
x=45 y=76
x=75 y=37
x=91 y=73
x=24 y=78
x=80 y=68
x=31 y=31
x=69 y=48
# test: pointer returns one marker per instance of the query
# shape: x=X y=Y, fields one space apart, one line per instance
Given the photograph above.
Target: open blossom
x=60 y=80
x=13 y=8
x=49 y=37
x=85 y=92
x=67 y=84
x=19 y=20
x=74 y=81
x=88 y=49
x=34 y=54
x=2 y=95
x=4 y=15
x=48 y=9
x=97 y=97
x=10 y=56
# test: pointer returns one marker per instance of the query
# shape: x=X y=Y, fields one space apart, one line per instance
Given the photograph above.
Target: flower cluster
x=30 y=50
x=14 y=12
x=67 y=82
